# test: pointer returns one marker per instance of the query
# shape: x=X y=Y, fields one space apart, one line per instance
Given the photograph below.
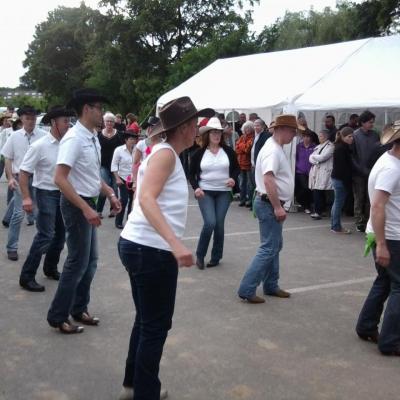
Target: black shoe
x=5 y=224
x=55 y=275
x=30 y=223
x=248 y=205
x=119 y=226
x=200 y=264
x=212 y=264
x=242 y=204
x=31 y=286
x=360 y=228
x=369 y=337
x=12 y=255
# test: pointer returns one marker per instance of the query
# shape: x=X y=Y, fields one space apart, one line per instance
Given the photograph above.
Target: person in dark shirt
x=119 y=125
x=109 y=139
x=341 y=176
x=352 y=123
x=330 y=125
x=365 y=141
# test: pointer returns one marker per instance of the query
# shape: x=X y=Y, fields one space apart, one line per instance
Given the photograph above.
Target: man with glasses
x=14 y=151
x=78 y=177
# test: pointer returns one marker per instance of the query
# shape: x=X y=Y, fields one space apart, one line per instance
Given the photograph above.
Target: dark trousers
x=319 y=197
x=361 y=200
x=246 y=186
x=73 y=292
x=385 y=286
x=50 y=236
x=126 y=198
x=153 y=274
x=302 y=192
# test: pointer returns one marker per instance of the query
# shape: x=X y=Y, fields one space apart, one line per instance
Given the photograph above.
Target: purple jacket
x=303 y=164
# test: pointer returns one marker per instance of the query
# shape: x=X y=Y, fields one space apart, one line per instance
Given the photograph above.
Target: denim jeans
x=126 y=198
x=385 y=286
x=108 y=177
x=153 y=275
x=50 y=236
x=213 y=206
x=73 y=292
x=337 y=207
x=246 y=186
x=2 y=165
x=264 y=267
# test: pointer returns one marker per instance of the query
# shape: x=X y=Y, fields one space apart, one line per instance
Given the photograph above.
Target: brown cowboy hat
x=391 y=133
x=288 y=120
x=178 y=111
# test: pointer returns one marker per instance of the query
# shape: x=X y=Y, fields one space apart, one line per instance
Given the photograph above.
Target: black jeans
x=153 y=274
x=302 y=192
x=126 y=198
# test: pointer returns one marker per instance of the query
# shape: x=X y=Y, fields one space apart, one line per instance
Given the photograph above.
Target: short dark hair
x=353 y=116
x=366 y=116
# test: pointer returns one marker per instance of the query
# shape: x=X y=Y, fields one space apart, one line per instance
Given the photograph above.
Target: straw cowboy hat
x=391 y=133
x=213 y=123
x=288 y=120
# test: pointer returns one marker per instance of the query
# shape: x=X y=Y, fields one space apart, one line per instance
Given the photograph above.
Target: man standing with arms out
x=364 y=144
x=383 y=233
x=78 y=177
x=14 y=151
x=275 y=186
x=40 y=160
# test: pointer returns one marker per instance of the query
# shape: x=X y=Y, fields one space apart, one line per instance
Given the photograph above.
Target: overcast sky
x=17 y=28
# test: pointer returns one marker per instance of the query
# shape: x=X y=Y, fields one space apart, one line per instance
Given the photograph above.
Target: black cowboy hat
x=86 y=96
x=55 y=112
x=178 y=111
x=129 y=133
x=152 y=121
x=27 y=110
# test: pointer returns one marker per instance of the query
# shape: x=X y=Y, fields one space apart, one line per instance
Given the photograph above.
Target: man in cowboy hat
x=383 y=234
x=274 y=187
x=40 y=160
x=77 y=175
x=14 y=151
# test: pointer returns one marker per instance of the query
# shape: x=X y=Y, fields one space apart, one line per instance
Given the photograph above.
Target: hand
x=119 y=182
x=115 y=205
x=280 y=214
x=198 y=193
x=12 y=184
x=27 y=205
x=183 y=255
x=382 y=255
x=91 y=216
x=230 y=182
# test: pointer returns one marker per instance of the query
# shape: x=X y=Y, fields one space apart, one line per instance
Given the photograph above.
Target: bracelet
x=112 y=195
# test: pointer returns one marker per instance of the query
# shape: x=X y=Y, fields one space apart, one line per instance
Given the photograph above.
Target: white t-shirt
x=122 y=161
x=142 y=146
x=80 y=150
x=214 y=171
x=385 y=175
x=173 y=201
x=17 y=145
x=272 y=158
x=40 y=160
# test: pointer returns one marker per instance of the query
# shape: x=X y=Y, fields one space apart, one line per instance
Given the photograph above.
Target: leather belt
x=265 y=198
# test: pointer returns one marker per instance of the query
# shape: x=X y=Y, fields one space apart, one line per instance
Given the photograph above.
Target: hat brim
x=127 y=135
x=205 y=129
x=57 y=114
x=390 y=135
x=205 y=112
x=299 y=127
x=21 y=112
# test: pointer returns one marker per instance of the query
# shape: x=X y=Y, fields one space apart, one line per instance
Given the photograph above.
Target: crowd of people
x=61 y=178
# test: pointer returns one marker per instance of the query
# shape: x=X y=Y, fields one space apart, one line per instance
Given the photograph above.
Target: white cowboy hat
x=213 y=123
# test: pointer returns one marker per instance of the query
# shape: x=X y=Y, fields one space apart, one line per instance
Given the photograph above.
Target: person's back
x=363 y=147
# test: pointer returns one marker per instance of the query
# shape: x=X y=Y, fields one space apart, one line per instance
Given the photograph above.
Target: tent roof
x=261 y=80
x=369 y=78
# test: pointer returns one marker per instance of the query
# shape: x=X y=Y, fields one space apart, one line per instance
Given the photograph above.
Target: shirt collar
x=52 y=138
x=82 y=129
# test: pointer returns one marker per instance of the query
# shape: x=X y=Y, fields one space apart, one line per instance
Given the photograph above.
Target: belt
x=265 y=198
x=90 y=200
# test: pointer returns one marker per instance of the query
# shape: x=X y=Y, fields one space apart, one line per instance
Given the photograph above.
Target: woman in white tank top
x=151 y=249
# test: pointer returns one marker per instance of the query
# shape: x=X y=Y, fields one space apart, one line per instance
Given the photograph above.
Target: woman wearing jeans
x=151 y=249
x=213 y=173
x=341 y=176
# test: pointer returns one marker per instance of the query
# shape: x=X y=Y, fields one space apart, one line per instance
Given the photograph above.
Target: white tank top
x=173 y=201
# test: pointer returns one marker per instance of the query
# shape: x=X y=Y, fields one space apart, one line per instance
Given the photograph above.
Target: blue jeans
x=50 y=236
x=213 y=206
x=337 y=206
x=126 y=197
x=385 y=286
x=265 y=265
x=109 y=178
x=73 y=292
x=153 y=275
x=246 y=186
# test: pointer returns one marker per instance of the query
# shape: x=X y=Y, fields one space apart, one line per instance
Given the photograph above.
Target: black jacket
x=195 y=170
x=342 y=163
x=264 y=136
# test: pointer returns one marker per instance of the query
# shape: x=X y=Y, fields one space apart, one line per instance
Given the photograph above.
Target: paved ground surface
x=303 y=348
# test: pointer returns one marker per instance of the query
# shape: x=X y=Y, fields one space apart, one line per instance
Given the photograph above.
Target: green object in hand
x=370 y=242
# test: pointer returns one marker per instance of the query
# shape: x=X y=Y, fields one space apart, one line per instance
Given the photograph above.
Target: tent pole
x=386 y=116
x=233 y=120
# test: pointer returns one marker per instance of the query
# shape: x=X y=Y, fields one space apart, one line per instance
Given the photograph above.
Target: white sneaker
x=307 y=211
x=127 y=394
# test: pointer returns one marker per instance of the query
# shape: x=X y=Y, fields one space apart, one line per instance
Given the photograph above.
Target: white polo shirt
x=40 y=160
x=122 y=161
x=272 y=158
x=4 y=135
x=17 y=145
x=80 y=150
